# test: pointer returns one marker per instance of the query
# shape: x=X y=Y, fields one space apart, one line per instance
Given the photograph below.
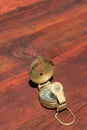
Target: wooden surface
x=55 y=29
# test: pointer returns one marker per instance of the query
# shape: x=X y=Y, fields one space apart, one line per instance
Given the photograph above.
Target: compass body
x=47 y=98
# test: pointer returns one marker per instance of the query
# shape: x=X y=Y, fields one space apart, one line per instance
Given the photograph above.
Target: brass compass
x=51 y=95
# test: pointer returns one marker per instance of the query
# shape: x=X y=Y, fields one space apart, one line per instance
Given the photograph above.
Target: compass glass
x=47 y=95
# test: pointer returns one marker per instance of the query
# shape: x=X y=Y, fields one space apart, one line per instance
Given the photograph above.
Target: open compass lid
x=41 y=69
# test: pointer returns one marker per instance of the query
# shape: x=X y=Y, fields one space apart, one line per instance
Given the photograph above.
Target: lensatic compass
x=51 y=95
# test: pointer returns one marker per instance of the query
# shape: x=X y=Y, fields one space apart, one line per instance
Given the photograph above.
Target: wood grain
x=56 y=29
x=6 y=5
x=16 y=91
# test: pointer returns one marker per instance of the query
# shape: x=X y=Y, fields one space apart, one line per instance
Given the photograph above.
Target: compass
x=51 y=95
x=41 y=70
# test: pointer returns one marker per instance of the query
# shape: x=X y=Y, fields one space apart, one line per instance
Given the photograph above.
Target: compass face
x=47 y=95
x=41 y=70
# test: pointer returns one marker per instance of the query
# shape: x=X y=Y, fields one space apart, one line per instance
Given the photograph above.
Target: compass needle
x=40 y=69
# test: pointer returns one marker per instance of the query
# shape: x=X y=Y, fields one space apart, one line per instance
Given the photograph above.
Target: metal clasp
x=63 y=123
x=58 y=91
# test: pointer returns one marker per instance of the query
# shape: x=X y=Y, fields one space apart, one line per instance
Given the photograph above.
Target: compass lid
x=41 y=69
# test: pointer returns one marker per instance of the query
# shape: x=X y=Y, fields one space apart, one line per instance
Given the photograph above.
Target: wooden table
x=56 y=29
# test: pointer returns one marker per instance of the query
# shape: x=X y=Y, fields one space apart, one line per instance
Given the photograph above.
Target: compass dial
x=47 y=98
x=47 y=95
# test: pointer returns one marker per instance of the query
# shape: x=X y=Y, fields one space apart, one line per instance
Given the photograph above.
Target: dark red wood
x=55 y=29
x=6 y=5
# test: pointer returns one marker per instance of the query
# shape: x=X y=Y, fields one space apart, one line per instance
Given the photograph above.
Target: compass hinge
x=61 y=106
x=40 y=86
